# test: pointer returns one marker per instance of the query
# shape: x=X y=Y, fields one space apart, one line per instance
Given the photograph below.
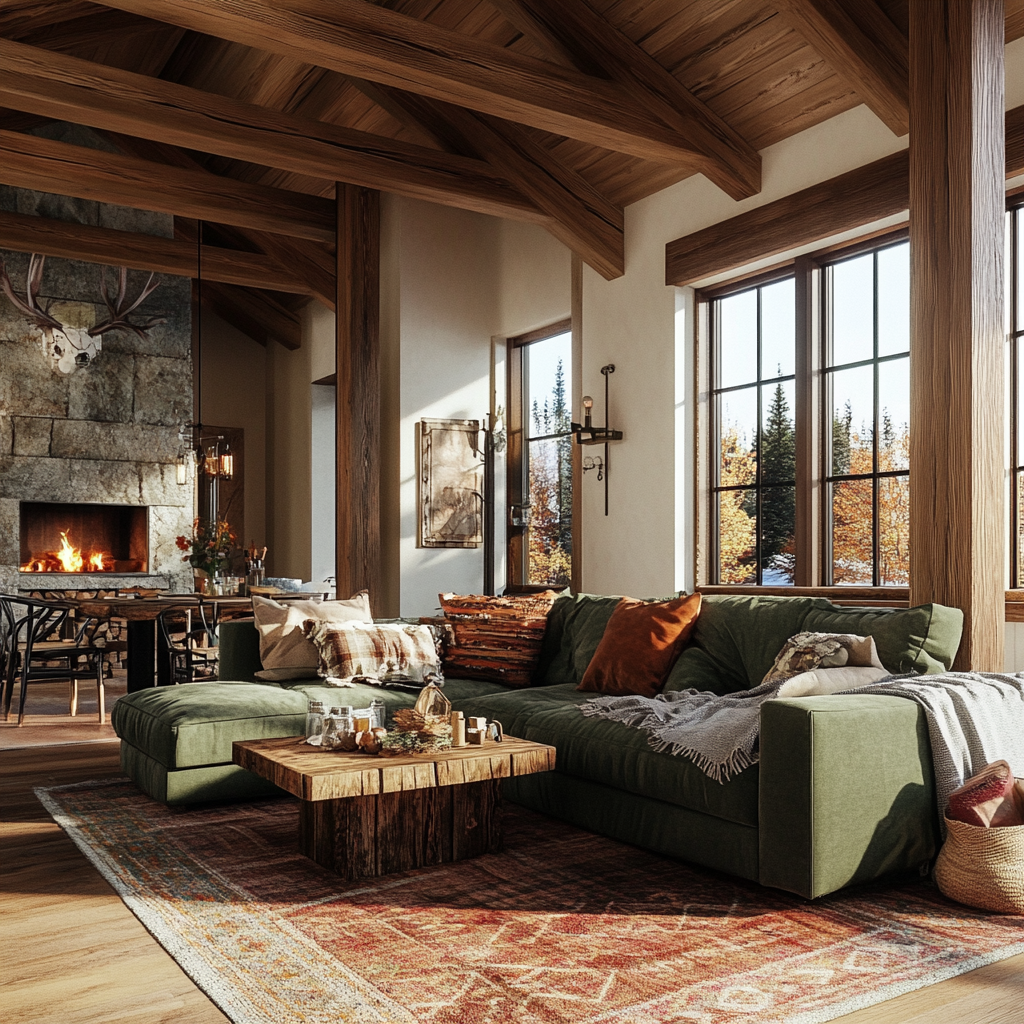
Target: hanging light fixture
x=227 y=463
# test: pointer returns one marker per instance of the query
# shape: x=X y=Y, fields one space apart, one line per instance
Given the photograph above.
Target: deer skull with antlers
x=71 y=347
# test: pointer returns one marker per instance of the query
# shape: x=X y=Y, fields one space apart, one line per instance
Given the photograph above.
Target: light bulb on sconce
x=184 y=466
x=588 y=405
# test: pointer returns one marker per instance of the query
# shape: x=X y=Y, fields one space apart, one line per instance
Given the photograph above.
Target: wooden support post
x=957 y=518
x=358 y=551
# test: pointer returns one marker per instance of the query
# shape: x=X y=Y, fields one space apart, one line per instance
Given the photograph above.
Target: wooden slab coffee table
x=362 y=816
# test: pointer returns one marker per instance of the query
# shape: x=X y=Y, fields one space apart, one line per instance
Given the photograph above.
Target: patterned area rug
x=564 y=927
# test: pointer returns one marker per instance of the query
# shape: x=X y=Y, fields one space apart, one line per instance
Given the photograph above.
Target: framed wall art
x=450 y=484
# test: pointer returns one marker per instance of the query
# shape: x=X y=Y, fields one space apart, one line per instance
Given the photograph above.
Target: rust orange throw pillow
x=640 y=645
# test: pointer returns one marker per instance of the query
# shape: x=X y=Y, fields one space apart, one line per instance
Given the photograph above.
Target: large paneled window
x=809 y=423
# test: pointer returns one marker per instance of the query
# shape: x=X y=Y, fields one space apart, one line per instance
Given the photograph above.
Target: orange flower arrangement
x=209 y=543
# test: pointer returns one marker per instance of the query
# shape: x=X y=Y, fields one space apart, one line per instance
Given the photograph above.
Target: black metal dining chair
x=33 y=651
x=190 y=642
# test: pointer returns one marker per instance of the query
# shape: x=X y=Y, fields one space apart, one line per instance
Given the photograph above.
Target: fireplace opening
x=63 y=537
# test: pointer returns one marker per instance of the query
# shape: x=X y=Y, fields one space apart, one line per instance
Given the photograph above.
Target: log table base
x=362 y=816
x=361 y=836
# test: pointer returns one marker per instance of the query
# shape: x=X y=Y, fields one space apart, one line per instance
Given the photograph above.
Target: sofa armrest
x=846 y=793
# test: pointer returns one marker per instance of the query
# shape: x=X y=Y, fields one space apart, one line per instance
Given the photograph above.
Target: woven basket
x=983 y=867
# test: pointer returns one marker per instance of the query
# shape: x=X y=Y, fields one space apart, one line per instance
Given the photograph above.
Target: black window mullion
x=1015 y=568
x=876 y=526
x=758 y=468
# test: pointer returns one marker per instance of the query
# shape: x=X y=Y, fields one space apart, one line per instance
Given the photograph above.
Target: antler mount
x=71 y=347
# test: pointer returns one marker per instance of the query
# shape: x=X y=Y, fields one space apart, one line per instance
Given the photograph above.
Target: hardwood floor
x=71 y=951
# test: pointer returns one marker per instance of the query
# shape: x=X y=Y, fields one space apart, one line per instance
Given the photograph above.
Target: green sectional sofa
x=843 y=792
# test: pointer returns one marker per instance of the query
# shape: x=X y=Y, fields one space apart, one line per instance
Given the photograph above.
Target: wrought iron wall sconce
x=587 y=433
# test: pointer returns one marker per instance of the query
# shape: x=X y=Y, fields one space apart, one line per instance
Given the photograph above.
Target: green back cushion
x=736 y=640
x=922 y=639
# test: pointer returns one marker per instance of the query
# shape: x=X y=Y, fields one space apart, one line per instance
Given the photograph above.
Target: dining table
x=147 y=664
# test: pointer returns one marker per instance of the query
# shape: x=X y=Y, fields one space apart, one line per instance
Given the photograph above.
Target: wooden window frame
x=810 y=420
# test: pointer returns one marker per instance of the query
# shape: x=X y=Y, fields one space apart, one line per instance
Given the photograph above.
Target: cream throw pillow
x=821 y=681
x=285 y=651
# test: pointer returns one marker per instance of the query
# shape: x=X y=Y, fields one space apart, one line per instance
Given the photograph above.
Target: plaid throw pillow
x=383 y=652
x=496 y=638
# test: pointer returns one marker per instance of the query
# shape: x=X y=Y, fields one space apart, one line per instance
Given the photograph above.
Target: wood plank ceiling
x=245 y=113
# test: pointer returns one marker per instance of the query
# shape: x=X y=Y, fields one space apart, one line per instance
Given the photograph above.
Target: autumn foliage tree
x=852 y=500
x=852 y=513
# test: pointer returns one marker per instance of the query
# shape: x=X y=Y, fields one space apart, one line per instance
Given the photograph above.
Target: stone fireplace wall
x=109 y=431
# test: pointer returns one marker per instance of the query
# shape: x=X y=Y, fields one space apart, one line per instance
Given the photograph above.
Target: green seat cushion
x=922 y=639
x=736 y=639
x=191 y=725
x=187 y=726
x=359 y=696
x=615 y=754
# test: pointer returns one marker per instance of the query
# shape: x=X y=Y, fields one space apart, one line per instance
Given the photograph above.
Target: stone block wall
x=107 y=432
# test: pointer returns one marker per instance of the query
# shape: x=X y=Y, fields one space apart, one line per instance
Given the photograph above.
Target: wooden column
x=358 y=552
x=957 y=518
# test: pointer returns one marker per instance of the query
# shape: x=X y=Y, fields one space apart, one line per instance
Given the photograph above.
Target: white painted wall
x=233 y=395
x=323 y=481
x=289 y=455
x=452 y=281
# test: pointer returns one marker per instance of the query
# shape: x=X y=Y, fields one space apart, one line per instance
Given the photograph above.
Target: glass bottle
x=378 y=711
x=346 y=729
x=314 y=722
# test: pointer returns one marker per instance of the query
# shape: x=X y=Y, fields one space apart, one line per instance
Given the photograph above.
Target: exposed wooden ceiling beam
x=312 y=263
x=24 y=233
x=308 y=261
x=66 y=88
x=844 y=203
x=860 y=43
x=254 y=313
x=30 y=162
x=581 y=218
x=848 y=201
x=371 y=42
x=574 y=28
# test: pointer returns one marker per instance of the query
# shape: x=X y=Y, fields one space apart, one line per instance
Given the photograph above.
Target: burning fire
x=67 y=559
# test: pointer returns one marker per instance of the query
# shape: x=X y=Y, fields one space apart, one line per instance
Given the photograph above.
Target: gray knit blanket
x=973 y=718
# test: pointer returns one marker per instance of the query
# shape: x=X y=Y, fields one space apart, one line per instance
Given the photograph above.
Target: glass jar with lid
x=315 y=722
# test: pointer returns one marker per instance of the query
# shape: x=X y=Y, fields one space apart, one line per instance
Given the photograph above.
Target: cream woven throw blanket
x=973 y=719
